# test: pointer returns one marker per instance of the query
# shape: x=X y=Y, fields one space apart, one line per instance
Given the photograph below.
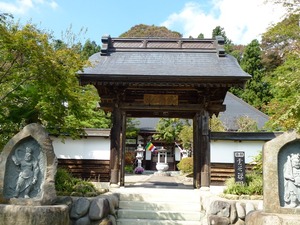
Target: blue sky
x=243 y=20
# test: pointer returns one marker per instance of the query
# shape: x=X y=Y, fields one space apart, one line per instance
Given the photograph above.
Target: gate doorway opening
x=170 y=140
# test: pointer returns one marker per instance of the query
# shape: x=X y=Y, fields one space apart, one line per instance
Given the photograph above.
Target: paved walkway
x=150 y=179
x=154 y=180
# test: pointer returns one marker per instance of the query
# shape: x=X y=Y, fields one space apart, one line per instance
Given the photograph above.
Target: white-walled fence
x=89 y=157
x=98 y=148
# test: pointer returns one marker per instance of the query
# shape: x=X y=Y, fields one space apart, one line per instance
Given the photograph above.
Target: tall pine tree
x=257 y=89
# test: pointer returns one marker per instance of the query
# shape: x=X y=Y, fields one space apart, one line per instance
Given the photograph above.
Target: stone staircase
x=151 y=206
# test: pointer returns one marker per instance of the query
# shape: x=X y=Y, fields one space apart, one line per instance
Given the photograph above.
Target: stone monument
x=27 y=180
x=139 y=157
x=162 y=167
x=281 y=181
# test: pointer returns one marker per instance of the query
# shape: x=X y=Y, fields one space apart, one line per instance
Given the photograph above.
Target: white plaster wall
x=85 y=148
x=222 y=150
x=99 y=148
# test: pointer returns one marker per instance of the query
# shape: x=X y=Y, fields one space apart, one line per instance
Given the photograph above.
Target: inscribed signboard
x=239 y=167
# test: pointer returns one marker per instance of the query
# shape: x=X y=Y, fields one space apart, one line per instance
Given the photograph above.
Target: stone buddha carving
x=28 y=172
x=292 y=181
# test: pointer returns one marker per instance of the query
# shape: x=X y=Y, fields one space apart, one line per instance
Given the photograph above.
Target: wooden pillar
x=201 y=150
x=205 y=149
x=115 y=145
x=123 y=147
x=196 y=152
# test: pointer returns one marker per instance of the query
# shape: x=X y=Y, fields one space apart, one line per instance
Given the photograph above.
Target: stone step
x=159 y=206
x=155 y=222
x=157 y=195
x=159 y=215
x=166 y=206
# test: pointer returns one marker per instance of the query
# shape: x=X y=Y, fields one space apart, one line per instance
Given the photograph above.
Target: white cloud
x=18 y=7
x=242 y=20
x=53 y=5
x=21 y=7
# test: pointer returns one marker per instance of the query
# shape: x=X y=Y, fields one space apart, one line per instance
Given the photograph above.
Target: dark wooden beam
x=169 y=108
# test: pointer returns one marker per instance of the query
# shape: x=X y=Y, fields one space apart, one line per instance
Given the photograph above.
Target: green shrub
x=66 y=184
x=129 y=168
x=252 y=186
x=258 y=162
x=63 y=181
x=186 y=165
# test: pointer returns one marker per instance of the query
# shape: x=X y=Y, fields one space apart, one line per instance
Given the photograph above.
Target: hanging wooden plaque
x=156 y=99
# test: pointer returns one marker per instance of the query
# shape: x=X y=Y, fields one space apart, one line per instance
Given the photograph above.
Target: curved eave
x=143 y=80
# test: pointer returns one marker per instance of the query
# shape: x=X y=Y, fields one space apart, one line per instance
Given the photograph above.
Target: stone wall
x=223 y=211
x=100 y=210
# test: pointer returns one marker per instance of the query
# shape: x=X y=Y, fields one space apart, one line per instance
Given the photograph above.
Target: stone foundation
x=69 y=211
x=219 y=210
x=32 y=215
x=262 y=218
x=92 y=211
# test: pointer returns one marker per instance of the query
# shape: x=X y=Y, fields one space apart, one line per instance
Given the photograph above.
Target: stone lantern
x=162 y=167
x=139 y=156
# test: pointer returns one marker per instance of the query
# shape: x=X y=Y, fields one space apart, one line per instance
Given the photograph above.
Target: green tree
x=279 y=41
x=59 y=44
x=281 y=46
x=186 y=136
x=131 y=127
x=237 y=52
x=143 y=30
x=89 y=48
x=285 y=106
x=257 y=89
x=168 y=129
x=292 y=6
x=219 y=31
x=216 y=125
x=38 y=83
x=246 y=124
x=201 y=36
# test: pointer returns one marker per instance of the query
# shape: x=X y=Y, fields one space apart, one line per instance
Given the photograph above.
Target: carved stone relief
x=289 y=175
x=27 y=168
x=24 y=170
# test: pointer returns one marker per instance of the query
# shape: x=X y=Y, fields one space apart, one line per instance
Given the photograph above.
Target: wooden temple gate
x=160 y=77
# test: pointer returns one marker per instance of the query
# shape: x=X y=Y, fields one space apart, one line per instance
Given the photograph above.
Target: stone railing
x=92 y=210
x=228 y=209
